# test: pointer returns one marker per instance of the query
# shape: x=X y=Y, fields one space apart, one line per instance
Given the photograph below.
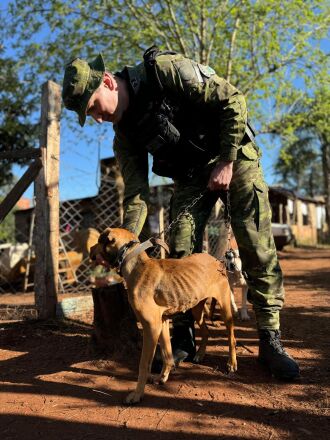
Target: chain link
x=184 y=211
x=227 y=217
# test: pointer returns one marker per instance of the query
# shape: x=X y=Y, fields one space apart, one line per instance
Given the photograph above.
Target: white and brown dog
x=158 y=289
x=236 y=280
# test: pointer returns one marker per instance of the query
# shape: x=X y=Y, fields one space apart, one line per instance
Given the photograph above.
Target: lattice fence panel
x=81 y=219
x=13 y=251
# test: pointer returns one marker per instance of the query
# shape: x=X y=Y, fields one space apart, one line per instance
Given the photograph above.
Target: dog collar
x=122 y=254
x=142 y=247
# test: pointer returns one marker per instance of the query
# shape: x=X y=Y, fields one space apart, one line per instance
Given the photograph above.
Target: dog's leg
x=229 y=323
x=207 y=311
x=210 y=312
x=232 y=301
x=212 y=309
x=166 y=350
x=151 y=332
x=198 y=314
x=244 y=310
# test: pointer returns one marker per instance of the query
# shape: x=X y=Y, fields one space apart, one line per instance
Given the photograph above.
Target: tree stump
x=115 y=325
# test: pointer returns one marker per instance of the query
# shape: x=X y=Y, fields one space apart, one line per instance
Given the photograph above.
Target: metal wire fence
x=80 y=223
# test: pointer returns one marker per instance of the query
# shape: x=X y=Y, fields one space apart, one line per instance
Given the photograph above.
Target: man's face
x=103 y=105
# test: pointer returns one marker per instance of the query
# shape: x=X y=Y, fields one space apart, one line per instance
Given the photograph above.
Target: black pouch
x=173 y=170
x=164 y=168
x=180 y=160
x=163 y=138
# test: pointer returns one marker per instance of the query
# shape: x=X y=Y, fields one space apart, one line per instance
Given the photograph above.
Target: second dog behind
x=236 y=279
x=235 y=275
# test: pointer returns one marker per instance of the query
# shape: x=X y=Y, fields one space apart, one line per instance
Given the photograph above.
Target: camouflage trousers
x=251 y=223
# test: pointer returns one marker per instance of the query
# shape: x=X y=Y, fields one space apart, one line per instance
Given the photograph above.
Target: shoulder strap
x=149 y=58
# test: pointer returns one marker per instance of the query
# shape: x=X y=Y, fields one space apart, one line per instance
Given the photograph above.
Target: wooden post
x=26 y=153
x=24 y=182
x=115 y=328
x=280 y=214
x=287 y=215
x=161 y=218
x=47 y=204
x=206 y=245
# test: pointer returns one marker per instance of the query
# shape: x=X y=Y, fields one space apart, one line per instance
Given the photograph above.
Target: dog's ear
x=106 y=237
x=92 y=252
x=111 y=238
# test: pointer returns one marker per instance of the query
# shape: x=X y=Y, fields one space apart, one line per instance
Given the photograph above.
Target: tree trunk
x=115 y=326
x=325 y=148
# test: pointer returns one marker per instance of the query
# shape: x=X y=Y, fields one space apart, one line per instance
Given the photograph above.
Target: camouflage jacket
x=194 y=87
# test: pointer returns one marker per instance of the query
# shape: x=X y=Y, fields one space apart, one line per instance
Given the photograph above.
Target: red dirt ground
x=51 y=388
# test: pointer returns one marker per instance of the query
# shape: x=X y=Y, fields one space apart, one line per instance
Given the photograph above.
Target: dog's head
x=233 y=261
x=105 y=251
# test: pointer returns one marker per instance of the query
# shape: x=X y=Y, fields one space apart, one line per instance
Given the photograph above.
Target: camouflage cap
x=80 y=81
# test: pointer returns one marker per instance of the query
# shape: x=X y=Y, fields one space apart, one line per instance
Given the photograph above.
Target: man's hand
x=220 y=177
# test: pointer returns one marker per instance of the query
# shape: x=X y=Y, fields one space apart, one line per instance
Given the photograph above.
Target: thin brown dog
x=159 y=288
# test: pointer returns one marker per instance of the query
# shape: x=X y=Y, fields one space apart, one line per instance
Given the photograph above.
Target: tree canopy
x=17 y=131
x=304 y=160
x=299 y=165
x=271 y=50
x=261 y=47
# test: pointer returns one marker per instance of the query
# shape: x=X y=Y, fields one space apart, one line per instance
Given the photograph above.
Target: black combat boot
x=183 y=337
x=182 y=342
x=273 y=355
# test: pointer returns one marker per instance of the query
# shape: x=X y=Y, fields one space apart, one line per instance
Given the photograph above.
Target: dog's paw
x=231 y=367
x=244 y=315
x=133 y=398
x=160 y=379
x=163 y=379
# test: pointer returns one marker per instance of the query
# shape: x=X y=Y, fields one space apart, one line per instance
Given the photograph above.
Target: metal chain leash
x=185 y=211
x=230 y=256
x=227 y=220
x=227 y=216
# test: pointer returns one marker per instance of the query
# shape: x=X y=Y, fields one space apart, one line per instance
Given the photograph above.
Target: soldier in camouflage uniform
x=194 y=123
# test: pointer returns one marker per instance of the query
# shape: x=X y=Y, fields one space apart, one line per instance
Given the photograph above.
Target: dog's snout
x=232 y=266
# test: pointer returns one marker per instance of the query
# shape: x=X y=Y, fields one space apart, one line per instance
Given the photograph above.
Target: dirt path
x=51 y=389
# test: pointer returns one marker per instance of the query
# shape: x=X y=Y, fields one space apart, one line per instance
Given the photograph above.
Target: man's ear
x=109 y=81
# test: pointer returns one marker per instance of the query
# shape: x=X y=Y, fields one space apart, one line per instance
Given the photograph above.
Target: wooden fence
x=44 y=171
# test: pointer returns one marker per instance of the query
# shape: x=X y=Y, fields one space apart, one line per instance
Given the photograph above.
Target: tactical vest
x=179 y=146
x=174 y=133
